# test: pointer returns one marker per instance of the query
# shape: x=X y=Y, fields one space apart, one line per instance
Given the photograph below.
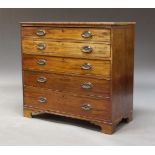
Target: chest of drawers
x=82 y=70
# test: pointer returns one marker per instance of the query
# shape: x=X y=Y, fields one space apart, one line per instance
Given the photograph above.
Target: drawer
x=62 y=103
x=81 y=34
x=89 y=68
x=66 y=49
x=64 y=83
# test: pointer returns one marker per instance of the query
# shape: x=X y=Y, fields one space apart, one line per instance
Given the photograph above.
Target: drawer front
x=64 y=104
x=81 y=34
x=90 y=68
x=66 y=49
x=65 y=83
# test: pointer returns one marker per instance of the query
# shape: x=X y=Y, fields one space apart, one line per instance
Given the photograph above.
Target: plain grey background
x=17 y=130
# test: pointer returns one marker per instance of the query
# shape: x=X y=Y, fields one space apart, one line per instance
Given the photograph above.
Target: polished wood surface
x=71 y=105
x=67 y=65
x=77 y=24
x=109 y=100
x=98 y=35
x=27 y=113
x=70 y=84
x=66 y=49
x=122 y=73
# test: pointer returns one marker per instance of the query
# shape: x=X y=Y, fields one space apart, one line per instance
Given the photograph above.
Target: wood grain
x=99 y=35
x=112 y=60
x=70 y=84
x=78 y=24
x=122 y=73
x=66 y=49
x=63 y=103
x=67 y=66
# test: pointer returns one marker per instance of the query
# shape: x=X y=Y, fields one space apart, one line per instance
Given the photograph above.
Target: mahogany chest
x=82 y=70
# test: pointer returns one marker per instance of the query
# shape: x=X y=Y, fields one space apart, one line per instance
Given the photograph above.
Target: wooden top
x=76 y=24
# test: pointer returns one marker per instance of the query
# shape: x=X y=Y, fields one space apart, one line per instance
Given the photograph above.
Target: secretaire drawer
x=66 y=49
x=81 y=34
x=62 y=103
x=80 y=86
x=95 y=68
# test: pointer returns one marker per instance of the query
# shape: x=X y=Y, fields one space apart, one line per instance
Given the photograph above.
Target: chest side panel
x=122 y=72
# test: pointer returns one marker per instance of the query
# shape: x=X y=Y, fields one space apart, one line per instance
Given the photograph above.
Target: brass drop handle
x=86 y=106
x=40 y=32
x=41 y=61
x=41 y=79
x=86 y=66
x=86 y=34
x=87 y=85
x=86 y=49
x=42 y=99
x=41 y=46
